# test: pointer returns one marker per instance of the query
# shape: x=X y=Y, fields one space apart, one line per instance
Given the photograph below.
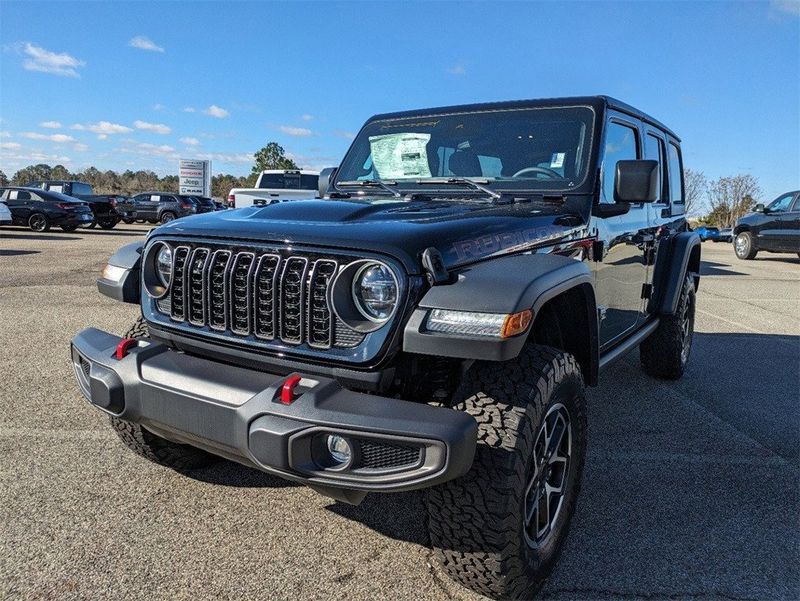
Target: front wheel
x=150 y=446
x=69 y=228
x=128 y=221
x=499 y=529
x=39 y=222
x=744 y=246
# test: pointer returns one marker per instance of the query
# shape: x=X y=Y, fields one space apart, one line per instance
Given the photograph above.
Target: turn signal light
x=516 y=323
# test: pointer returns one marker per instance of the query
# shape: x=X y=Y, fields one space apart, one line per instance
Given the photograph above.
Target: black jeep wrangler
x=431 y=322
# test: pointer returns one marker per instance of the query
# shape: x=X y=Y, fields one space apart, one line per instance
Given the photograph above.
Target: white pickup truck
x=276 y=185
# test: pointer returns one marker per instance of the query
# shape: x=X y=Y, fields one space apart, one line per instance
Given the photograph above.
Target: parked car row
x=771 y=228
x=715 y=234
x=69 y=205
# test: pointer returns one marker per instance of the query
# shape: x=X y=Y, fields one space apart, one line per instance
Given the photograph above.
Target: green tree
x=272 y=156
x=31 y=173
x=3 y=179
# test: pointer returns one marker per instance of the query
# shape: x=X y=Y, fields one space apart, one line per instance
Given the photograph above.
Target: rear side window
x=81 y=188
x=654 y=151
x=675 y=174
x=621 y=145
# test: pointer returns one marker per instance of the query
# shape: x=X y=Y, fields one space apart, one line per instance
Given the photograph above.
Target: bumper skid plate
x=237 y=413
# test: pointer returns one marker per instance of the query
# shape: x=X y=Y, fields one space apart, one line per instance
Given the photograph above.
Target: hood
x=462 y=231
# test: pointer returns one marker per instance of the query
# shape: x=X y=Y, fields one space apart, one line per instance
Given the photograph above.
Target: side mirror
x=325 y=178
x=760 y=208
x=636 y=181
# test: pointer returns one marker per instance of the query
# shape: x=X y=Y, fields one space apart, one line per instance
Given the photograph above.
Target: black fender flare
x=123 y=285
x=680 y=256
x=504 y=285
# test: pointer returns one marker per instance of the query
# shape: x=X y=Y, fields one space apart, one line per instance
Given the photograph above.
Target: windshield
x=514 y=149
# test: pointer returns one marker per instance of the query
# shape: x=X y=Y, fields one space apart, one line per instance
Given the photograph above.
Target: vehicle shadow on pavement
x=17 y=253
x=53 y=236
x=230 y=473
x=711 y=268
x=688 y=490
x=113 y=232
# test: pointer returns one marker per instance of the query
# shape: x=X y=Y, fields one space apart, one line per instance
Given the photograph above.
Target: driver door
x=623 y=241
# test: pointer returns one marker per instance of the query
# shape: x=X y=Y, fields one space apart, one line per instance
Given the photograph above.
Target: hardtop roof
x=599 y=102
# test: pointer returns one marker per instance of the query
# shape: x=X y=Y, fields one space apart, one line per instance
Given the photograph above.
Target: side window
x=654 y=151
x=35 y=197
x=621 y=145
x=13 y=195
x=781 y=204
x=675 y=174
x=23 y=195
x=796 y=206
x=155 y=197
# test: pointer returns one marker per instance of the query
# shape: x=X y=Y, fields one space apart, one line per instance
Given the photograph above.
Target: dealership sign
x=194 y=177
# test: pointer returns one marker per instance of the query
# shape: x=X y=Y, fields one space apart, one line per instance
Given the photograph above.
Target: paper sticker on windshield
x=557 y=162
x=402 y=155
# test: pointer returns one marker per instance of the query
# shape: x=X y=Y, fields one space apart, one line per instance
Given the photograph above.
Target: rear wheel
x=107 y=223
x=39 y=222
x=128 y=221
x=91 y=225
x=744 y=246
x=149 y=445
x=499 y=529
x=665 y=353
x=167 y=216
x=69 y=228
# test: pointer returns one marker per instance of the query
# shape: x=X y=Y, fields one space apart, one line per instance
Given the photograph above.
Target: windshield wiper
x=464 y=181
x=372 y=183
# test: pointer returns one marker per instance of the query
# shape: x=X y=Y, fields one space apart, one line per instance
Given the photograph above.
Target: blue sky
x=135 y=85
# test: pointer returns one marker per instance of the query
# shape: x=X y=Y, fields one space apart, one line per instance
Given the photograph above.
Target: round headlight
x=164 y=265
x=375 y=291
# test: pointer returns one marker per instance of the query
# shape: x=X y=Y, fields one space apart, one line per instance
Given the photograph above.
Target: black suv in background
x=156 y=207
x=774 y=228
x=103 y=205
x=204 y=205
x=39 y=209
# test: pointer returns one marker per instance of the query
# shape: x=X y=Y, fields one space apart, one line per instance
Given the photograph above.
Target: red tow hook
x=287 y=390
x=124 y=346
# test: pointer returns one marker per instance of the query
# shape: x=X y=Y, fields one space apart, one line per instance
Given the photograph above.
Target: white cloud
x=216 y=111
x=144 y=43
x=10 y=145
x=222 y=157
x=190 y=141
x=44 y=61
x=307 y=117
x=57 y=138
x=189 y=109
x=300 y=132
x=104 y=128
x=5 y=134
x=80 y=147
x=457 y=69
x=347 y=135
x=158 y=128
x=50 y=124
x=36 y=156
x=787 y=6
x=102 y=137
x=158 y=107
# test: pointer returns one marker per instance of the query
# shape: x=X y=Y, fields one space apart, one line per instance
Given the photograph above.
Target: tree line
x=129 y=183
x=725 y=199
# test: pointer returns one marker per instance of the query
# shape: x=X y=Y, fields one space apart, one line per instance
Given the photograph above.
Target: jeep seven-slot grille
x=257 y=294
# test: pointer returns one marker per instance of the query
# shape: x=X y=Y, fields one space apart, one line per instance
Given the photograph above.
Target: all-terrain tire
x=477 y=522
x=107 y=223
x=153 y=447
x=665 y=353
x=744 y=246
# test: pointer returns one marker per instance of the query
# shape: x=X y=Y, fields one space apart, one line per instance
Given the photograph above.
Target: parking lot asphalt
x=690 y=490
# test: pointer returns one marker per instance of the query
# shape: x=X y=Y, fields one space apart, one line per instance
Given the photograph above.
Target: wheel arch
x=677 y=255
x=552 y=287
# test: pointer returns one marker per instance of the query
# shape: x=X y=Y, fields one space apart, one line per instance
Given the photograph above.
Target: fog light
x=339 y=449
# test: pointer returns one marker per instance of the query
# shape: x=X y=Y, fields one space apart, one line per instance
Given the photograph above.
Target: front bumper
x=237 y=413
